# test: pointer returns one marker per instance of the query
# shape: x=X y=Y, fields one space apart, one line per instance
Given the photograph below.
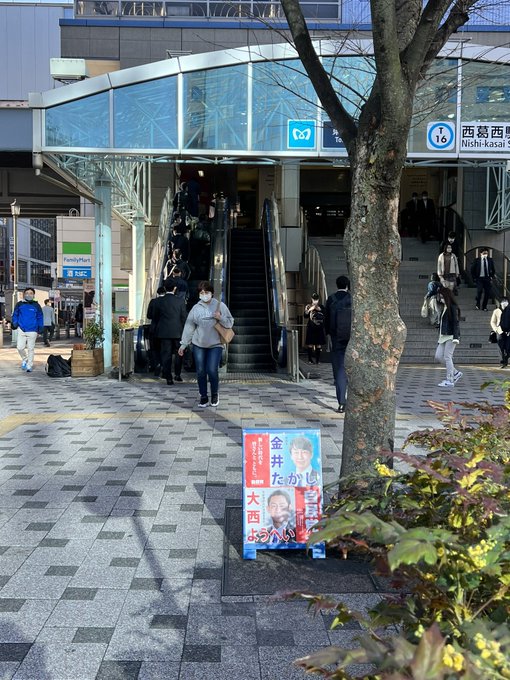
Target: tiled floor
x=112 y=524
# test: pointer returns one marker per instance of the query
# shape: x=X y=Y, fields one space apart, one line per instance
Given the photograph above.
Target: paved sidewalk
x=120 y=533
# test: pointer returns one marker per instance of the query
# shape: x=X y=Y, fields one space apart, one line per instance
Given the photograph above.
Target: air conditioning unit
x=68 y=70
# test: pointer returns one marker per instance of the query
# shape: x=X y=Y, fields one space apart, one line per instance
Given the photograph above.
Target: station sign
x=441 y=136
x=480 y=136
x=282 y=489
x=301 y=134
x=330 y=137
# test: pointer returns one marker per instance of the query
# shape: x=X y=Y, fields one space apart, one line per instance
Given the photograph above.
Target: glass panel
x=436 y=100
x=142 y=9
x=91 y=8
x=352 y=78
x=268 y=10
x=145 y=115
x=230 y=9
x=489 y=101
x=312 y=10
x=215 y=111
x=281 y=92
x=80 y=123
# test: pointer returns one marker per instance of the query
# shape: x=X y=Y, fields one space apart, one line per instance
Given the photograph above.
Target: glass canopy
x=241 y=104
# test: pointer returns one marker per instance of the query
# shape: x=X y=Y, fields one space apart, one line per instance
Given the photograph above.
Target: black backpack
x=58 y=367
x=340 y=321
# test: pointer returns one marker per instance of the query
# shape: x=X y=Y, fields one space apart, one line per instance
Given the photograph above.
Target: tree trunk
x=378 y=333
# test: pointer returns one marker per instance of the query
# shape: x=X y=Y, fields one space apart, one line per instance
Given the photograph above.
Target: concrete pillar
x=291 y=235
x=290 y=190
x=138 y=267
x=103 y=221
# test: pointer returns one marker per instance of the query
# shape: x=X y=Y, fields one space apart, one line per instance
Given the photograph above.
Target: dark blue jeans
x=207 y=362
x=337 y=361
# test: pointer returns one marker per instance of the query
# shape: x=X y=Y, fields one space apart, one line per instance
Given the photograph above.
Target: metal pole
x=15 y=211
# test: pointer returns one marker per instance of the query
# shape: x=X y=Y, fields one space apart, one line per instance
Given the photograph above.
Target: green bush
x=440 y=531
x=93 y=334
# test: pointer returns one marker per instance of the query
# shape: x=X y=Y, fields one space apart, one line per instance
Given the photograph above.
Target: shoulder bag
x=226 y=334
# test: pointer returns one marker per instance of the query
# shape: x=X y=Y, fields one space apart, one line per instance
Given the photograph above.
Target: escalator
x=249 y=303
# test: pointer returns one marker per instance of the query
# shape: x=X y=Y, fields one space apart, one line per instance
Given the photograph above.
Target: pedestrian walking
x=449 y=336
x=169 y=317
x=315 y=333
x=501 y=336
x=78 y=320
x=48 y=322
x=431 y=302
x=448 y=268
x=482 y=272
x=27 y=318
x=154 y=348
x=205 y=340
x=338 y=327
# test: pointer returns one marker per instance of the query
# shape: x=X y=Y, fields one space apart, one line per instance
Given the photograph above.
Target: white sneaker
x=457 y=376
x=446 y=383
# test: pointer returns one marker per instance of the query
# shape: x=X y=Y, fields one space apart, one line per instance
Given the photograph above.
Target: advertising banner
x=282 y=489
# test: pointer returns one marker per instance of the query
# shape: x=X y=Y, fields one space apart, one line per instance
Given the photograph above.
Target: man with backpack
x=338 y=327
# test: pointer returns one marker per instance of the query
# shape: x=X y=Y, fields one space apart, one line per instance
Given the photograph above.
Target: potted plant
x=116 y=326
x=89 y=362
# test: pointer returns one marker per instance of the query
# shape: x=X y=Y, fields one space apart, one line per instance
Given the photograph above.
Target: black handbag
x=493 y=337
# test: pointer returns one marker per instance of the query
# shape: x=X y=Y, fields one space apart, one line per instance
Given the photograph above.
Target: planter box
x=87 y=363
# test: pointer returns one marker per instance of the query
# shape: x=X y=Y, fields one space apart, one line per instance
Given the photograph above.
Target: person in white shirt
x=500 y=334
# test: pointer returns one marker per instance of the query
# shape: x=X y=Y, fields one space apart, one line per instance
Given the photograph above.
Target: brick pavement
x=114 y=501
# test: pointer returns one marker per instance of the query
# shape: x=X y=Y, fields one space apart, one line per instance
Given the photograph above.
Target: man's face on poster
x=301 y=458
x=279 y=509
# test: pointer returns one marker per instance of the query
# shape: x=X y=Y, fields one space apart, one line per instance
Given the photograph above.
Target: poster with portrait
x=282 y=489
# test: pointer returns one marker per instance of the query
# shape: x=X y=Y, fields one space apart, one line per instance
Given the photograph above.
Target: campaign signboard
x=282 y=489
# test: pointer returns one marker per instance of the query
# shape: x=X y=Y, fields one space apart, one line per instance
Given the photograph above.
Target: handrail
x=275 y=269
x=276 y=262
x=219 y=250
x=315 y=272
x=159 y=251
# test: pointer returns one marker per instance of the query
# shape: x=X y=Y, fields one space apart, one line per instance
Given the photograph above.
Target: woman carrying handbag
x=206 y=342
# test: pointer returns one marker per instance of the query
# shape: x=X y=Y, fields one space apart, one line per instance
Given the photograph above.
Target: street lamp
x=15 y=211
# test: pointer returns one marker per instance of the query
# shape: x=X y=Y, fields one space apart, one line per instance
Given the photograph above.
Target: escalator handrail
x=158 y=254
x=276 y=263
x=220 y=251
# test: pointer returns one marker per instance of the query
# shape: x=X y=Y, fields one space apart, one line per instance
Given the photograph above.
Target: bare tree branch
x=342 y=121
x=386 y=53
x=430 y=37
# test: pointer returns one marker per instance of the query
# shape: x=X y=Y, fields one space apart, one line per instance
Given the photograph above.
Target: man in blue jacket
x=27 y=318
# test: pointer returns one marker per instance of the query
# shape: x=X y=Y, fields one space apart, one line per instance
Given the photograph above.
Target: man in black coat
x=427 y=217
x=154 y=351
x=338 y=327
x=169 y=317
x=483 y=271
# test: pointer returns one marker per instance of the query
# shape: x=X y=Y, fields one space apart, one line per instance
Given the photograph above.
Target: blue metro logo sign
x=301 y=134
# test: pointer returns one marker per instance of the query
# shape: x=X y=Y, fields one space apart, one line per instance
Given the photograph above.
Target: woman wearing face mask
x=27 y=318
x=206 y=343
x=449 y=336
x=448 y=268
x=501 y=335
x=315 y=335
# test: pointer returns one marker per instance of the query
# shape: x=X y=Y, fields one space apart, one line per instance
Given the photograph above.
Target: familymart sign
x=76 y=260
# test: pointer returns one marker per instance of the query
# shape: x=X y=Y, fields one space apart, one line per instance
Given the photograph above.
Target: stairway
x=248 y=301
x=419 y=260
